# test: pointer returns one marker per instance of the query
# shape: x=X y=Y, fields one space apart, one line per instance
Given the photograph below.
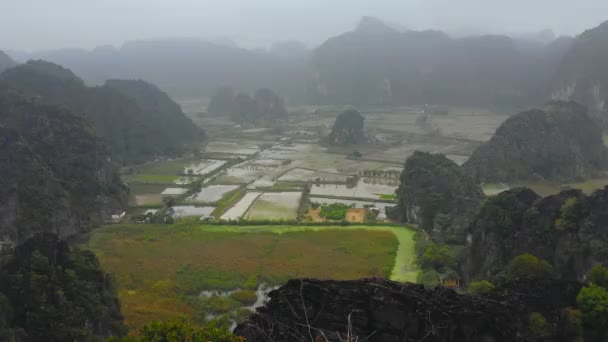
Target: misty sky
x=45 y=24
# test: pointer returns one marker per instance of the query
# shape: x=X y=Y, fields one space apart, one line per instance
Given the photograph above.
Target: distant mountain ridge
x=377 y=63
x=583 y=73
x=136 y=124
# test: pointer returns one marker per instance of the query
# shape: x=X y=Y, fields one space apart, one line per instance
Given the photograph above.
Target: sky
x=49 y=24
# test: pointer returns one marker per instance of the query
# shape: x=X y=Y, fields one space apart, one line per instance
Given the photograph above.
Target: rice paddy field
x=165 y=271
x=275 y=206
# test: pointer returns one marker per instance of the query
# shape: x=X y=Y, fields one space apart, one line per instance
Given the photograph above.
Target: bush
x=480 y=287
x=251 y=283
x=219 y=304
x=538 y=325
x=598 y=275
x=593 y=302
x=245 y=297
x=334 y=211
x=429 y=278
x=181 y=331
x=438 y=257
x=528 y=266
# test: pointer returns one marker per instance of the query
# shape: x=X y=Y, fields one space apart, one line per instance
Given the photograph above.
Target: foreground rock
x=381 y=310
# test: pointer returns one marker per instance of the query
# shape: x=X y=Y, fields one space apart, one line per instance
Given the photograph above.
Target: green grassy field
x=160 y=269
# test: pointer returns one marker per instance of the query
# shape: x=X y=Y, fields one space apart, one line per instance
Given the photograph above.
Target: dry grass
x=155 y=266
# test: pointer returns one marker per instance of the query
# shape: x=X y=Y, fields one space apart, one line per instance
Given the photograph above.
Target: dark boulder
x=381 y=310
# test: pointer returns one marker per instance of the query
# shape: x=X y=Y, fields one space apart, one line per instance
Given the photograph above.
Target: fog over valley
x=308 y=171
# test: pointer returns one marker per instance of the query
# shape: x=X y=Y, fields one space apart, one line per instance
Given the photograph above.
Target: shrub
x=528 y=266
x=245 y=297
x=480 y=287
x=429 y=278
x=181 y=331
x=538 y=325
x=251 y=283
x=437 y=257
x=219 y=304
x=593 y=302
x=334 y=211
x=598 y=275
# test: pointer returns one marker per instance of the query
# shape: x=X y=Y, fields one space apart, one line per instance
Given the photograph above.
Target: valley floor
x=222 y=272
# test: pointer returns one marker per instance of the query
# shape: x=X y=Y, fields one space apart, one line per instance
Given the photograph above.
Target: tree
x=593 y=302
x=169 y=201
x=598 y=275
x=438 y=257
x=538 y=325
x=528 y=266
x=181 y=331
x=480 y=287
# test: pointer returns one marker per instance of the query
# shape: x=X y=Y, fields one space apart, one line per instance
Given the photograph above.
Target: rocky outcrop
x=435 y=194
x=55 y=174
x=381 y=310
x=558 y=142
x=348 y=129
x=568 y=230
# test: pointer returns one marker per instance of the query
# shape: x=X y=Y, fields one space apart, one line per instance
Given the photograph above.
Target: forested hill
x=160 y=109
x=559 y=142
x=583 y=73
x=6 y=62
x=55 y=174
x=133 y=133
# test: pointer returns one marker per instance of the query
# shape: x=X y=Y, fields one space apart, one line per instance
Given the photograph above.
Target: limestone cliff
x=559 y=142
x=55 y=174
x=568 y=230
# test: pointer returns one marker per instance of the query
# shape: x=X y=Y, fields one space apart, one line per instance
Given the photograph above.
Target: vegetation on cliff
x=54 y=172
x=559 y=142
x=436 y=194
x=566 y=230
x=348 y=129
x=50 y=292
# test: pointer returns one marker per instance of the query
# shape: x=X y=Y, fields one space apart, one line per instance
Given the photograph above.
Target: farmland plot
x=174 y=191
x=212 y=193
x=239 y=209
x=355 y=204
x=306 y=175
x=363 y=189
x=204 y=167
x=189 y=210
x=276 y=206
